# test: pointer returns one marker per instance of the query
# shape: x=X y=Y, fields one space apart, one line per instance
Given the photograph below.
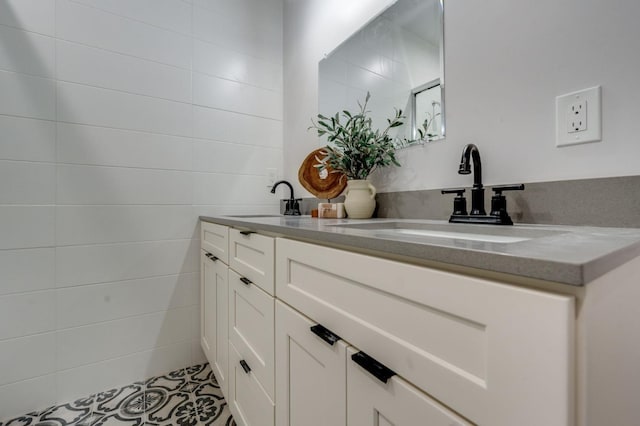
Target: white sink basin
x=484 y=233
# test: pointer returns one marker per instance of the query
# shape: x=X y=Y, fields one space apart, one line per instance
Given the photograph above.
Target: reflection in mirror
x=397 y=57
x=426 y=120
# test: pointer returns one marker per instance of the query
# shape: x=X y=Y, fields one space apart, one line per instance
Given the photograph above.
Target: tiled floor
x=185 y=397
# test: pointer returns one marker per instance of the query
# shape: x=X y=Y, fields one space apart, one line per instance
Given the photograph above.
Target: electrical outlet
x=272 y=176
x=578 y=117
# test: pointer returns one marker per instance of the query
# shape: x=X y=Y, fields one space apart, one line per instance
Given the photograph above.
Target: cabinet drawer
x=373 y=403
x=251 y=328
x=252 y=255
x=497 y=354
x=214 y=239
x=248 y=402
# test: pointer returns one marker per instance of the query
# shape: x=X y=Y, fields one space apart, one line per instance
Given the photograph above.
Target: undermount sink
x=249 y=216
x=485 y=233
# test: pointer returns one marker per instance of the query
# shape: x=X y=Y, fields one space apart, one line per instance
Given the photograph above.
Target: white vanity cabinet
x=214 y=295
x=495 y=354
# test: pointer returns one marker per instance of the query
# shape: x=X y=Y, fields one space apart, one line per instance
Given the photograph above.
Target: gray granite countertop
x=562 y=254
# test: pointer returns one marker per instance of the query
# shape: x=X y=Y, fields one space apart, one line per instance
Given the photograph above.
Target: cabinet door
x=251 y=324
x=493 y=352
x=370 y=402
x=248 y=402
x=214 y=316
x=310 y=373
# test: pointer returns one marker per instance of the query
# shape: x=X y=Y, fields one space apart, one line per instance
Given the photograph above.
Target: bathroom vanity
x=336 y=322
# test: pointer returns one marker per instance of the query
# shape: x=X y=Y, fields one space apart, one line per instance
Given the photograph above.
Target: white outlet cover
x=592 y=97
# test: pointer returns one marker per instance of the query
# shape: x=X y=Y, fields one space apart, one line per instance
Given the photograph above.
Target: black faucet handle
x=458 y=191
x=459 y=203
x=498 y=189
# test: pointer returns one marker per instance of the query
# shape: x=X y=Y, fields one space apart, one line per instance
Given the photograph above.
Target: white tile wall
x=118 y=122
x=27 y=96
x=93 y=27
x=78 y=265
x=30 y=15
x=79 y=63
x=104 y=302
x=20 y=397
x=27 y=270
x=108 y=108
x=120 y=185
x=89 y=145
x=35 y=361
x=27 y=139
x=26 y=52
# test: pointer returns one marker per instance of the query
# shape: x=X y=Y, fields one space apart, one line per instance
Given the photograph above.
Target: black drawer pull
x=208 y=254
x=247 y=281
x=247 y=233
x=325 y=334
x=245 y=366
x=376 y=369
x=212 y=257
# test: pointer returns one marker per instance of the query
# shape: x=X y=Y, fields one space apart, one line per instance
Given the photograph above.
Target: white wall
x=120 y=123
x=505 y=62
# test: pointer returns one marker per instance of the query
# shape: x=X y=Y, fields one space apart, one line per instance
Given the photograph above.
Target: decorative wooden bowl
x=312 y=180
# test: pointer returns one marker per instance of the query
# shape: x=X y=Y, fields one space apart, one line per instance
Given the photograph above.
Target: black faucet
x=292 y=206
x=471 y=152
x=498 y=215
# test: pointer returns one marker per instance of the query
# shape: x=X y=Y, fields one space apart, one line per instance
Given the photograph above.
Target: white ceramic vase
x=360 y=199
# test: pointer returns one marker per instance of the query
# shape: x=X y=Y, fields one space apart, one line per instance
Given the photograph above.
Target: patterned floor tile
x=185 y=397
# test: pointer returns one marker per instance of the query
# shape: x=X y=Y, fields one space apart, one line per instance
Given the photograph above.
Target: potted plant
x=356 y=149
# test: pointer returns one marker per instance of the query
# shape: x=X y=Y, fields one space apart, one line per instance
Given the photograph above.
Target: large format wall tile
x=221 y=61
x=170 y=14
x=21 y=397
x=27 y=139
x=78 y=63
x=27 y=52
x=26 y=314
x=223 y=157
x=228 y=126
x=78 y=225
x=27 y=183
x=27 y=96
x=78 y=265
x=229 y=95
x=27 y=357
x=94 y=27
x=86 y=345
x=119 y=185
x=26 y=226
x=109 y=108
x=93 y=378
x=90 y=145
x=90 y=304
x=27 y=270
x=32 y=15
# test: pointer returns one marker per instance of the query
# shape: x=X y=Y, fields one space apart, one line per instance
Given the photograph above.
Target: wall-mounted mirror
x=398 y=58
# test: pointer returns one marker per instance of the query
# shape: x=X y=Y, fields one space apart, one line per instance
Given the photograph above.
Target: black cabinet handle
x=245 y=366
x=247 y=233
x=376 y=369
x=325 y=334
x=210 y=256
x=247 y=281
